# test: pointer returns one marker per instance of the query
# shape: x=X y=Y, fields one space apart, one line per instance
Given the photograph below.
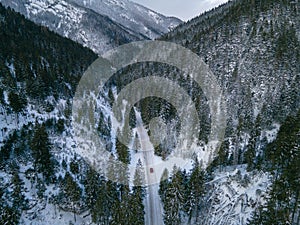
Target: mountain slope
x=133 y=16
x=254 y=53
x=43 y=180
x=253 y=48
x=80 y=24
x=98 y=25
x=39 y=73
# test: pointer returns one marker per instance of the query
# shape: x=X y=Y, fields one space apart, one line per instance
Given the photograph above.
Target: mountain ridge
x=83 y=25
x=253 y=49
x=133 y=15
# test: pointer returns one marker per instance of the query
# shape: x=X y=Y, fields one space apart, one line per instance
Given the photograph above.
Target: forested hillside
x=85 y=26
x=253 y=49
x=42 y=179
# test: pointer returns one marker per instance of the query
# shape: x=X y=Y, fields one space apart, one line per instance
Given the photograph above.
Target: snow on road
x=153 y=206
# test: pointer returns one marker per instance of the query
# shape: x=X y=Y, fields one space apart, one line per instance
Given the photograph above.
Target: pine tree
x=104 y=127
x=195 y=191
x=122 y=151
x=2 y=101
x=9 y=215
x=40 y=146
x=101 y=205
x=282 y=203
x=163 y=185
x=173 y=199
x=17 y=102
x=74 y=167
x=41 y=188
x=18 y=197
x=222 y=158
x=112 y=191
x=124 y=196
x=111 y=97
x=136 y=202
x=252 y=146
x=72 y=192
x=91 y=184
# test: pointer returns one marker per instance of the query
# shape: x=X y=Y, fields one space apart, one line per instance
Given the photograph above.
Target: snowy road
x=153 y=207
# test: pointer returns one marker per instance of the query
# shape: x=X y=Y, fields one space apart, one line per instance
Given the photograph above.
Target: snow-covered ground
x=234 y=194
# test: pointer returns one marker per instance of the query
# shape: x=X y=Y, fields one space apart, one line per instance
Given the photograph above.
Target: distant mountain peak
x=132 y=15
x=98 y=25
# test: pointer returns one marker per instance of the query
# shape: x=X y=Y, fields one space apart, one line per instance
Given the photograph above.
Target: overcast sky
x=183 y=9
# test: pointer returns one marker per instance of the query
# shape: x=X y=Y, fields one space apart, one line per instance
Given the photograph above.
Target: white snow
x=235 y=195
x=272 y=133
x=45 y=214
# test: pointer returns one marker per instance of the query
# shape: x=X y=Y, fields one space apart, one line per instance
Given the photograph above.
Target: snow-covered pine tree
x=137 y=212
x=195 y=191
x=40 y=147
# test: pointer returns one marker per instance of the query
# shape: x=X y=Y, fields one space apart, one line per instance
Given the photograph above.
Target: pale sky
x=183 y=9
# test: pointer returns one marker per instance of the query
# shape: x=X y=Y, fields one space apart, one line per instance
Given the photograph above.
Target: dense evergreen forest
x=253 y=48
x=39 y=68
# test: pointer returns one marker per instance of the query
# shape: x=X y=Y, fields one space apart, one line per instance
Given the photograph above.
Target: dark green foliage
x=137 y=211
x=17 y=195
x=285 y=149
x=64 y=164
x=164 y=182
x=222 y=159
x=250 y=154
x=97 y=197
x=15 y=147
x=119 y=194
x=2 y=96
x=104 y=126
x=60 y=126
x=43 y=61
x=41 y=188
x=102 y=209
x=123 y=153
x=17 y=102
x=41 y=146
x=92 y=184
x=284 y=156
x=114 y=203
x=111 y=202
x=71 y=194
x=122 y=203
x=74 y=167
x=6 y=151
x=10 y=213
x=71 y=188
x=287 y=43
x=111 y=97
x=182 y=194
x=173 y=200
x=195 y=191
